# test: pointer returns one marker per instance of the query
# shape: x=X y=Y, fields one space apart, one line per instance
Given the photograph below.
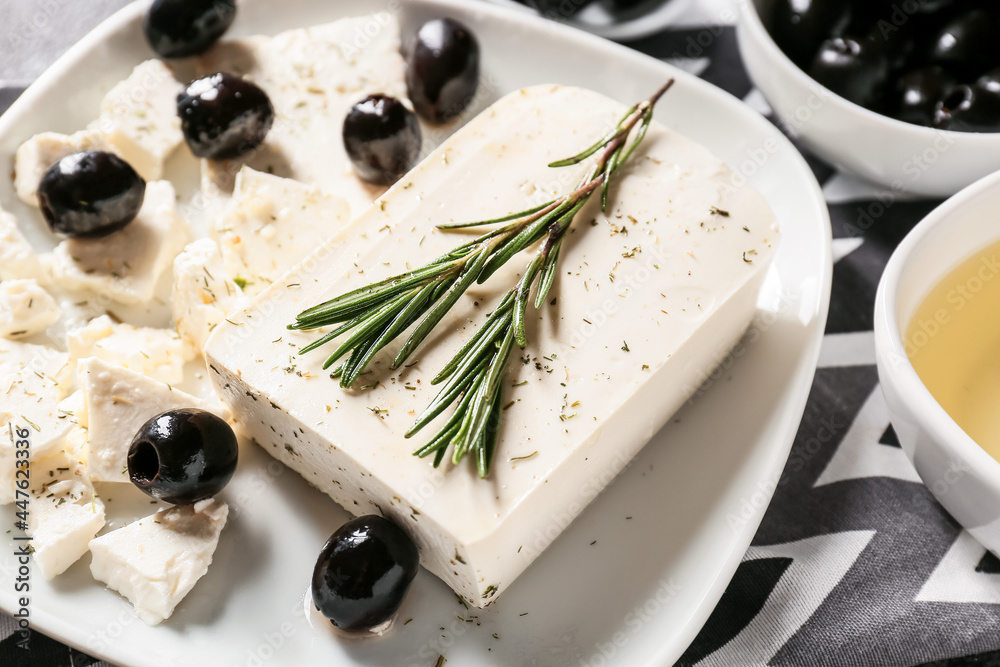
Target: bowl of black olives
x=905 y=93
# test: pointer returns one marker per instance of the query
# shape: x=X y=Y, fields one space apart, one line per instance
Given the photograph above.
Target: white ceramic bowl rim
x=752 y=20
x=901 y=373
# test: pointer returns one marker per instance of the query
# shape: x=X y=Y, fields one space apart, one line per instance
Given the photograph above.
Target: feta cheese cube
x=125 y=267
x=61 y=524
x=138 y=122
x=156 y=561
x=157 y=353
x=33 y=381
x=139 y=118
x=17 y=258
x=203 y=292
x=119 y=402
x=34 y=157
x=271 y=224
x=74 y=409
x=651 y=295
x=313 y=76
x=25 y=308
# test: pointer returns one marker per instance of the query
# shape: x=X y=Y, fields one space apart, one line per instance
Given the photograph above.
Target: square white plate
x=670 y=531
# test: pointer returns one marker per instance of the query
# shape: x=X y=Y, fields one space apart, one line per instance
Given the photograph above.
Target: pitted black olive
x=183 y=456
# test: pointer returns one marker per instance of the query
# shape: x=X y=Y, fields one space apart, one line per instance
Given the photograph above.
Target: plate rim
x=801 y=379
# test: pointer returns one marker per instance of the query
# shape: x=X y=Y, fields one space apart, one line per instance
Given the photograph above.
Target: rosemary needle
x=375 y=315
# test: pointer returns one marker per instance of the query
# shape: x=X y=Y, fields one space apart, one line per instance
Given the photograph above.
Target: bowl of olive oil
x=937 y=338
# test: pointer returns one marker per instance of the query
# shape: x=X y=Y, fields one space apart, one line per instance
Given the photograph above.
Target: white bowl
x=646 y=19
x=898 y=156
x=960 y=474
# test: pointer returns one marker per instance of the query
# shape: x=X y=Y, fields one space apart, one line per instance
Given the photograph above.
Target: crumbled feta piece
x=33 y=380
x=74 y=408
x=25 y=308
x=157 y=353
x=34 y=157
x=271 y=224
x=125 y=266
x=313 y=76
x=119 y=402
x=139 y=118
x=203 y=292
x=154 y=562
x=17 y=258
x=61 y=524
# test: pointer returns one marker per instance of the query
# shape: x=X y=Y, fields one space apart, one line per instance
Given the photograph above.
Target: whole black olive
x=183 y=456
x=969 y=109
x=178 y=28
x=442 y=69
x=919 y=92
x=967 y=45
x=560 y=9
x=853 y=69
x=90 y=194
x=799 y=26
x=363 y=573
x=990 y=81
x=224 y=116
x=382 y=138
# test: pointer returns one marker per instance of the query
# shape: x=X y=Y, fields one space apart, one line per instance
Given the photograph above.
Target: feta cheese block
x=139 y=118
x=313 y=76
x=156 y=561
x=119 y=402
x=34 y=157
x=126 y=266
x=25 y=308
x=157 y=353
x=271 y=224
x=17 y=257
x=61 y=524
x=203 y=292
x=648 y=298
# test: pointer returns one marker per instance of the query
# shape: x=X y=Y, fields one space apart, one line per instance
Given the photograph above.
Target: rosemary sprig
x=375 y=315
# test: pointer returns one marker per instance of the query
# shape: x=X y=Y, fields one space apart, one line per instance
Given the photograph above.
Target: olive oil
x=953 y=342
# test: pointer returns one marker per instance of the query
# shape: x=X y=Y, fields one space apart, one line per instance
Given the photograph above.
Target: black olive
x=363 y=572
x=969 y=109
x=919 y=93
x=90 y=194
x=967 y=45
x=990 y=81
x=224 y=116
x=178 y=28
x=442 y=69
x=382 y=138
x=183 y=456
x=799 y=26
x=562 y=9
x=852 y=68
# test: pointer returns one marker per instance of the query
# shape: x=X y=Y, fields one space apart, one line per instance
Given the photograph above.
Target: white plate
x=645 y=19
x=695 y=495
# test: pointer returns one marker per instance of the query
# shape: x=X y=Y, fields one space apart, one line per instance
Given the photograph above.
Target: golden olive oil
x=953 y=342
